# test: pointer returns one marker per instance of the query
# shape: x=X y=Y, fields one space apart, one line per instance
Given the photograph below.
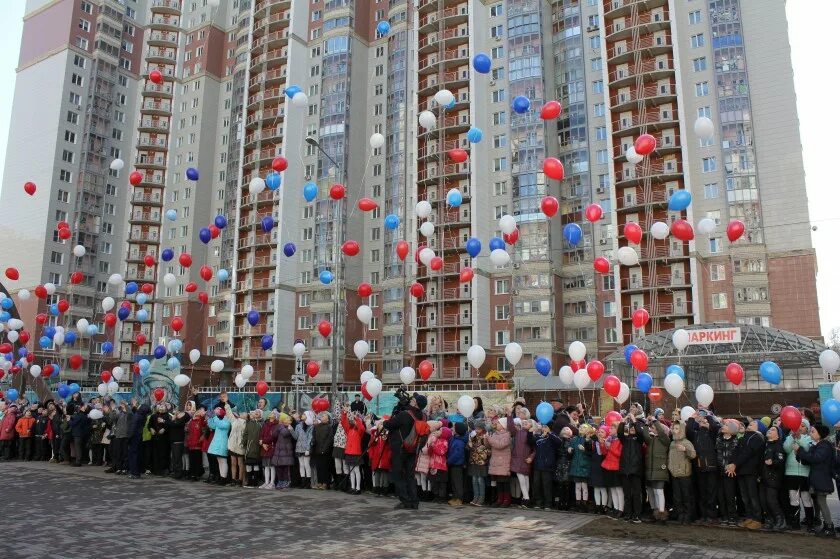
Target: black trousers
x=456 y=474
x=543 y=490
x=98 y=453
x=323 y=467
x=196 y=463
x=402 y=475
x=25 y=448
x=160 y=455
x=748 y=486
x=8 y=448
x=119 y=453
x=135 y=450
x=728 y=497
x=770 y=504
x=632 y=485
x=79 y=449
x=176 y=458
x=707 y=487
x=683 y=491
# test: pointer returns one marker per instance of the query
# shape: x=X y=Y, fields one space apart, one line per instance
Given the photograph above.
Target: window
x=719 y=301
x=63 y=196
x=709 y=164
x=497 y=52
x=698 y=40
x=597 y=63
x=609 y=308
x=500 y=211
x=499 y=118
x=601 y=133
x=608 y=283
x=694 y=17
x=303 y=300
x=595 y=42
x=598 y=109
x=496 y=10
x=497 y=31
x=500 y=164
x=502 y=312
x=598 y=86
x=74 y=99
x=82 y=43
x=65 y=176
x=86 y=7
x=499 y=141
x=714 y=215
x=108 y=228
x=373 y=324
x=67 y=156
x=375 y=233
x=116 y=134
x=76 y=79
x=498 y=95
x=498 y=73
x=502 y=287
x=602 y=156
x=704 y=111
x=699 y=64
x=306 y=234
x=710 y=190
x=69 y=136
x=55 y=278
x=717 y=272
x=79 y=61
x=502 y=337
x=57 y=258
x=714 y=245
x=374 y=255
x=500 y=188
x=701 y=89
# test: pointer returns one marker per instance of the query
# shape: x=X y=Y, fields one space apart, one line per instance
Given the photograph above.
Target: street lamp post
x=339 y=276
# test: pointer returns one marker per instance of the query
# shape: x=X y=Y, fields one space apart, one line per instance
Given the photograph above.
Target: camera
x=403 y=399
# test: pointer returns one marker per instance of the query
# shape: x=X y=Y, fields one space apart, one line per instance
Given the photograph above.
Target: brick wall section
x=793 y=292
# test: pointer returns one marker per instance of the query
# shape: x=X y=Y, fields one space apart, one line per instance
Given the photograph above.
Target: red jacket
x=611 y=461
x=195 y=433
x=7 y=426
x=24 y=427
x=267 y=438
x=354 y=435
x=379 y=452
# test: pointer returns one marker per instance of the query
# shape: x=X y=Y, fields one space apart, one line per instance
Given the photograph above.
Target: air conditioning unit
x=492 y=82
x=602 y=242
x=600 y=190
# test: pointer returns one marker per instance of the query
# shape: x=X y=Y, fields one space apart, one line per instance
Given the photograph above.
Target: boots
x=506 y=499
x=793 y=518
x=499 y=501
x=827 y=531
x=780 y=525
x=809 y=520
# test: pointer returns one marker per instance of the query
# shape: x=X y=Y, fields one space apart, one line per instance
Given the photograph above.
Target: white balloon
x=566 y=374
x=24 y=294
x=79 y=251
x=300 y=99
x=466 y=405
x=373 y=387
x=704 y=128
x=686 y=412
x=507 y=223
x=423 y=209
x=360 y=349
x=659 y=230
x=513 y=353
x=623 y=393
x=476 y=356
x=706 y=225
x=674 y=385
x=377 y=141
x=95 y=414
x=117 y=373
x=114 y=279
x=835 y=391
x=82 y=326
x=102 y=389
x=829 y=361
x=15 y=323
x=577 y=351
x=427 y=229
x=628 y=256
x=427 y=120
x=704 y=394
x=256 y=186
x=680 y=339
x=58 y=339
x=113 y=387
x=581 y=379
x=500 y=257
x=12 y=336
x=364 y=313
x=407 y=375
x=50 y=287
x=247 y=372
x=366 y=376
x=108 y=303
x=299 y=349
x=35 y=371
x=169 y=279
x=632 y=156
x=444 y=97
x=194 y=355
x=426 y=256
x=240 y=381
x=117 y=165
x=217 y=366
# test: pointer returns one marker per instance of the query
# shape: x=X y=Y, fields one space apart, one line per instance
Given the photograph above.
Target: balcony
x=427 y=348
x=258 y=330
x=150 y=162
x=166 y=7
x=258 y=262
x=650 y=70
x=141 y=217
x=451 y=171
x=164 y=23
x=275 y=39
x=153 y=125
x=153 y=143
x=449 y=80
x=658 y=172
x=446 y=294
x=661 y=310
x=645 y=23
x=653 y=120
x=141 y=198
x=447 y=320
x=251 y=354
x=163 y=39
x=161 y=55
x=655 y=198
x=661 y=252
x=144 y=237
x=255 y=284
x=257 y=306
x=650 y=95
x=156 y=108
x=658 y=281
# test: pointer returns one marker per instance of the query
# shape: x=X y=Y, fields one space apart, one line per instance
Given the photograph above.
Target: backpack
x=417 y=436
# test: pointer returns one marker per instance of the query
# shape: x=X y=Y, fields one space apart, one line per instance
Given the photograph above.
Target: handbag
x=106 y=436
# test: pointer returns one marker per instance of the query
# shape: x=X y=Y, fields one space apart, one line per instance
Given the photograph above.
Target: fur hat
x=421 y=400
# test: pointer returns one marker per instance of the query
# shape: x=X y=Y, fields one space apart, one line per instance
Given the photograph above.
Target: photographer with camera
x=408 y=429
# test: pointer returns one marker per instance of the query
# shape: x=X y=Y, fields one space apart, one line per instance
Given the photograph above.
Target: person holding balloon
x=194 y=440
x=702 y=429
x=821 y=459
x=611 y=465
x=658 y=440
x=796 y=476
x=749 y=453
x=546 y=445
x=681 y=453
x=322 y=441
x=7 y=431
x=632 y=464
x=772 y=480
x=479 y=450
x=499 y=467
x=725 y=446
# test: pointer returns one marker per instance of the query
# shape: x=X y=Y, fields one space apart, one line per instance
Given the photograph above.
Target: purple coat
x=284 y=446
x=520 y=450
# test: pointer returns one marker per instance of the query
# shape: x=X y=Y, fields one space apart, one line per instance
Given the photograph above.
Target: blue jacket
x=581 y=458
x=545 y=453
x=80 y=425
x=221 y=431
x=456 y=455
x=820 y=457
x=794 y=467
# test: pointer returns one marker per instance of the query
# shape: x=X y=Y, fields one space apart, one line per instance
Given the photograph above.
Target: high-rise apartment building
x=246 y=82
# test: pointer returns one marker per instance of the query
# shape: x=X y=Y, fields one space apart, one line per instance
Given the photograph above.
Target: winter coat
x=176 y=427
x=237 y=429
x=820 y=457
x=612 y=461
x=520 y=449
x=354 y=435
x=339 y=439
x=479 y=451
x=284 y=446
x=564 y=460
x=7 y=426
x=322 y=439
x=704 y=441
x=79 y=425
x=725 y=450
x=545 y=451
x=121 y=424
x=581 y=458
x=303 y=435
x=399 y=426
x=656 y=458
x=195 y=433
x=561 y=419
x=439 y=449
x=267 y=439
x=23 y=427
x=251 y=440
x=157 y=428
x=379 y=451
x=41 y=423
x=632 y=459
x=794 y=467
x=679 y=461
x=773 y=475
x=457 y=453
x=748 y=454
x=97 y=430
x=221 y=432
x=424 y=455
x=499 y=442
x=138 y=421
x=596 y=466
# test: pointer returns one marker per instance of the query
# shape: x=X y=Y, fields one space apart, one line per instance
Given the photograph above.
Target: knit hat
x=481 y=425
x=284 y=417
x=460 y=429
x=657 y=412
x=446 y=433
x=762 y=428
x=806 y=423
x=823 y=430
x=421 y=400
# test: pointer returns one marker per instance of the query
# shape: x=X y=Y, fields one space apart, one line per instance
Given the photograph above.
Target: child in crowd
x=479 y=450
x=438 y=473
x=303 y=446
x=581 y=446
x=284 y=453
x=354 y=430
x=24 y=427
x=565 y=450
x=545 y=444
x=456 y=458
x=680 y=454
x=266 y=442
x=379 y=458
x=499 y=441
x=611 y=465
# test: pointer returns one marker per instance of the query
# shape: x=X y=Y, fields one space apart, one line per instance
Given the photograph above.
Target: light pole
x=338 y=232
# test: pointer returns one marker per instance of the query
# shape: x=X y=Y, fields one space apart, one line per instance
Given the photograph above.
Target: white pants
x=796 y=498
x=617 y=496
x=581 y=491
x=305 y=466
x=602 y=496
x=356 y=478
x=223 y=466
x=423 y=481
x=341 y=466
x=656 y=498
x=524 y=486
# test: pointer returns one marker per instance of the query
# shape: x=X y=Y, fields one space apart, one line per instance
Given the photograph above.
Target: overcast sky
x=813 y=24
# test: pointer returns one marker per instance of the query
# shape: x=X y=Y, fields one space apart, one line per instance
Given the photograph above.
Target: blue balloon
x=770 y=372
x=74 y=388
x=289 y=249
x=92 y=330
x=160 y=352
x=272 y=180
x=628 y=351
x=267 y=224
x=12 y=394
x=392 y=221
x=291 y=91
x=481 y=63
x=107 y=348
x=175 y=345
x=310 y=191
x=56 y=370
x=679 y=201
x=643 y=382
x=267 y=342
x=220 y=221
x=130 y=288
x=63 y=391
x=496 y=242
x=145 y=365
x=542 y=365
x=383 y=27
x=521 y=104
x=54 y=309
x=141 y=298
x=22 y=351
x=205 y=235
x=326 y=277
x=830 y=411
x=123 y=312
x=222 y=275
x=69 y=338
x=192 y=173
x=454 y=198
x=675 y=370
x=44 y=342
x=544 y=412
x=474 y=135
x=167 y=254
x=7 y=303
x=572 y=233
x=474 y=247
x=5 y=316
x=49 y=332
x=253 y=317
x=173 y=363
x=171 y=215
x=142 y=315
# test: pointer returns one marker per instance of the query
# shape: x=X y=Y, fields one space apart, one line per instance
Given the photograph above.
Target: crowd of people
x=642 y=467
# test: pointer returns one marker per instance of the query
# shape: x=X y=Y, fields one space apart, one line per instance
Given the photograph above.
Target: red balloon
x=458 y=155
x=135 y=178
x=735 y=229
x=12 y=274
x=6 y=348
x=402 y=249
x=595 y=370
x=553 y=169
x=365 y=394
x=578 y=365
x=640 y=317
x=110 y=320
x=176 y=323
x=594 y=212
x=612 y=416
x=549 y=206
x=365 y=290
x=140 y=338
x=105 y=376
x=350 y=248
x=279 y=164
x=417 y=254
x=337 y=191
x=325 y=328
x=512 y=237
x=64 y=234
x=41 y=292
x=645 y=144
x=159 y=393
x=62 y=225
x=655 y=394
x=214 y=231
x=156 y=76
x=24 y=339
x=203 y=297
x=206 y=272
x=191 y=287
x=76 y=278
x=63 y=306
x=682 y=230
x=417 y=290
x=40 y=318
x=466 y=275
x=639 y=360
x=366 y=204
x=47 y=371
x=29 y=188
x=791 y=418
x=313 y=368
x=633 y=232
x=147 y=288
x=601 y=265
x=185 y=260
x=612 y=385
x=262 y=388
x=320 y=405
x=436 y=263
x=426 y=368
x=149 y=260
x=135 y=369
x=735 y=373
x=125 y=305
x=550 y=110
